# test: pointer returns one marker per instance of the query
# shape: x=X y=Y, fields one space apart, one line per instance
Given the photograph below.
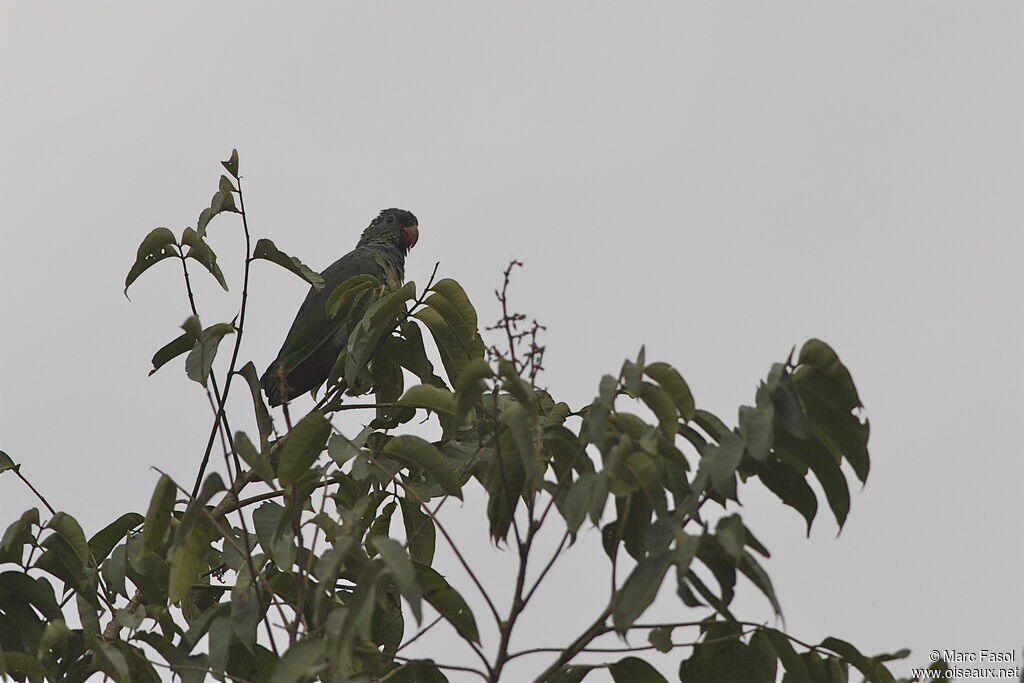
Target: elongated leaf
x=155 y=247
x=232 y=164
x=188 y=558
x=379 y=320
x=447 y=601
x=401 y=568
x=634 y=670
x=222 y=201
x=37 y=592
x=412 y=451
x=640 y=589
x=723 y=461
x=342 y=449
x=524 y=435
x=302 y=662
x=341 y=300
x=825 y=468
x=302 y=446
x=158 y=517
x=852 y=655
x=429 y=397
x=457 y=310
x=199 y=250
x=181 y=345
x=104 y=540
x=791 y=488
x=253 y=458
x=672 y=382
x=661 y=404
x=263 y=420
x=453 y=352
x=71 y=531
x=796 y=670
x=265 y=249
x=419 y=531
x=200 y=360
x=757 y=431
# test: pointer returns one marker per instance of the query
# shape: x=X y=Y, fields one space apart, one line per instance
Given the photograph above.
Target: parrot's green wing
x=315 y=340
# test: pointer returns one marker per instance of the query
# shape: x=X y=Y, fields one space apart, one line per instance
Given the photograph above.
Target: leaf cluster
x=315 y=578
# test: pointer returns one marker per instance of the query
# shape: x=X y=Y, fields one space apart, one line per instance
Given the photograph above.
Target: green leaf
x=578 y=501
x=341 y=299
x=417 y=671
x=71 y=531
x=342 y=449
x=379 y=320
x=302 y=662
x=632 y=373
x=796 y=670
x=412 y=451
x=825 y=468
x=17 y=585
x=188 y=558
x=104 y=540
x=263 y=420
x=419 y=530
x=524 y=434
x=661 y=638
x=756 y=430
x=245 y=614
x=200 y=359
x=451 y=301
x=6 y=463
x=232 y=164
x=640 y=589
x=723 y=460
x=266 y=250
x=447 y=601
x=225 y=184
x=452 y=322
x=181 y=345
x=401 y=568
x=673 y=383
x=851 y=654
x=634 y=670
x=155 y=247
x=158 y=517
x=429 y=397
x=791 y=488
x=221 y=202
x=302 y=446
x=661 y=404
x=12 y=662
x=199 y=250
x=253 y=458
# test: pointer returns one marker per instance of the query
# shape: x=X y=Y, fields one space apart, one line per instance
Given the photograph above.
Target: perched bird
x=314 y=340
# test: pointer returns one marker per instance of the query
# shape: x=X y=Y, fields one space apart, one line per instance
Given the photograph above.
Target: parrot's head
x=393 y=226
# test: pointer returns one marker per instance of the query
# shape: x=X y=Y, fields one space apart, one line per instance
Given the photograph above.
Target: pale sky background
x=717 y=180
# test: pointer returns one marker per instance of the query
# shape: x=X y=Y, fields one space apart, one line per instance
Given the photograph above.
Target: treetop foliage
x=310 y=554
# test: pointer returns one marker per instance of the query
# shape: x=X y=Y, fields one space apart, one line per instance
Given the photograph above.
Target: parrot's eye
x=390 y=219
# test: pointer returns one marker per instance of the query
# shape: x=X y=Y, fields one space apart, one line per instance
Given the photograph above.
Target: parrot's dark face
x=393 y=226
x=315 y=340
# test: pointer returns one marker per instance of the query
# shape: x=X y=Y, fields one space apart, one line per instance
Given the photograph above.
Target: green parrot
x=314 y=340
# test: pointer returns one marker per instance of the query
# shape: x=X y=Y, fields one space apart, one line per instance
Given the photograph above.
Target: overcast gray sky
x=718 y=181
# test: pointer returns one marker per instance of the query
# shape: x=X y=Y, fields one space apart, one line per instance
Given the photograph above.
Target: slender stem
x=597 y=628
x=551 y=562
x=17 y=471
x=239 y=331
x=421 y=632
